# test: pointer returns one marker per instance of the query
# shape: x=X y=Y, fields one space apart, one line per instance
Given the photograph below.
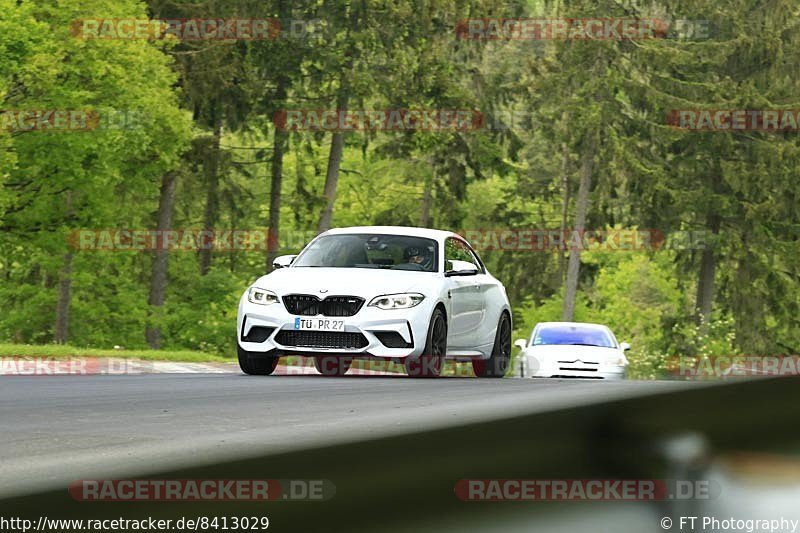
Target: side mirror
x=624 y=346
x=283 y=261
x=521 y=344
x=461 y=268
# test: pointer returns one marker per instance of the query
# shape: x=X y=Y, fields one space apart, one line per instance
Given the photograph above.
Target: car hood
x=571 y=353
x=362 y=282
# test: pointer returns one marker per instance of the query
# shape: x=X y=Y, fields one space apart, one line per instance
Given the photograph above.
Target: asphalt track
x=58 y=429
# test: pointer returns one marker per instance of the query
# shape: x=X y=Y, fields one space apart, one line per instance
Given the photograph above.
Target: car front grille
x=322 y=339
x=310 y=305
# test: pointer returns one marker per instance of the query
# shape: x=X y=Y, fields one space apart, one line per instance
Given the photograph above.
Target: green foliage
x=542 y=99
x=201 y=313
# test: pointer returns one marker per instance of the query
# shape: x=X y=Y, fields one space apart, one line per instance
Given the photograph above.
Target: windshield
x=572 y=335
x=392 y=252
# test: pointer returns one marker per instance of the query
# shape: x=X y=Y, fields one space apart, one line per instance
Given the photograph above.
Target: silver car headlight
x=261 y=296
x=397 y=301
x=621 y=360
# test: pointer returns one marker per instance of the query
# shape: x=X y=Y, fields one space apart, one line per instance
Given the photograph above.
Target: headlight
x=261 y=296
x=397 y=301
x=619 y=361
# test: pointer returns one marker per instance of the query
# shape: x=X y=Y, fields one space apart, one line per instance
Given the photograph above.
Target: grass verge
x=65 y=351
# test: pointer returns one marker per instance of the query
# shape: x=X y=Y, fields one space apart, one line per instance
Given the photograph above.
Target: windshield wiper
x=583 y=344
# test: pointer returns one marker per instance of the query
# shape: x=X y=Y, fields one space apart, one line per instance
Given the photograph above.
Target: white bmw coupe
x=378 y=292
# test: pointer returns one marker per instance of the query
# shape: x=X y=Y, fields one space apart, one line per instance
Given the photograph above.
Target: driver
x=418 y=256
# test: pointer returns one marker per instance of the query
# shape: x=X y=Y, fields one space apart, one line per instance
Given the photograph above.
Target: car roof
x=395 y=230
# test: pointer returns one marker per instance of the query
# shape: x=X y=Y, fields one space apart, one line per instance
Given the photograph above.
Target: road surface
x=57 y=429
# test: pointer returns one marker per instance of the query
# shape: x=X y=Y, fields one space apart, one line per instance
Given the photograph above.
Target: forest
x=151 y=168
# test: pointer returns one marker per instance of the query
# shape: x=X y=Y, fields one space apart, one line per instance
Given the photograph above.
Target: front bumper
x=536 y=369
x=409 y=324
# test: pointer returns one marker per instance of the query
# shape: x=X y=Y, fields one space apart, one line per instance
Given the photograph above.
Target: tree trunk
x=562 y=257
x=427 y=198
x=337 y=141
x=705 y=282
x=158 y=281
x=704 y=300
x=581 y=210
x=64 y=299
x=278 y=148
x=334 y=162
x=211 y=213
x=64 y=288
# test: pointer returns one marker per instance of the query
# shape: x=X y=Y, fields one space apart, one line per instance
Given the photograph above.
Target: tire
x=497 y=365
x=431 y=363
x=255 y=363
x=331 y=365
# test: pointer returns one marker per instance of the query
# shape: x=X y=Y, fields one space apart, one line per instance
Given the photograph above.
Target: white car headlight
x=397 y=301
x=261 y=296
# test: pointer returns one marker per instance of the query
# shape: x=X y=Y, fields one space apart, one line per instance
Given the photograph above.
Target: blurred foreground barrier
x=408 y=482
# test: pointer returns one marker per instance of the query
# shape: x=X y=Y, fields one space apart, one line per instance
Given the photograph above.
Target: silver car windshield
x=391 y=252
x=573 y=335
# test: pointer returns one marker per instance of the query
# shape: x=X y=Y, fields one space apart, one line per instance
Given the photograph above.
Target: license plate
x=318 y=324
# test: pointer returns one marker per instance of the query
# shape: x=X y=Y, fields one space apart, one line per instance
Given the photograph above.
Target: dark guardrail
x=406 y=483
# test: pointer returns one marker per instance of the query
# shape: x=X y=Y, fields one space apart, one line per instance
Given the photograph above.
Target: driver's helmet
x=420 y=255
